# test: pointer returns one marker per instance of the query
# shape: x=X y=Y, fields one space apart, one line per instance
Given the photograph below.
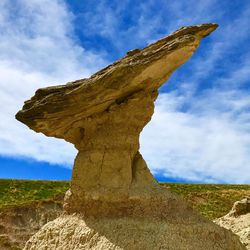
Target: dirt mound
x=74 y=232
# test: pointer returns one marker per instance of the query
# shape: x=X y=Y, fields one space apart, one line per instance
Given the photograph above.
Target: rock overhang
x=113 y=201
x=53 y=110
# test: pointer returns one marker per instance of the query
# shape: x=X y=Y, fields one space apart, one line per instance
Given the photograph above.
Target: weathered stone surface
x=60 y=111
x=240 y=207
x=73 y=232
x=19 y=223
x=238 y=220
x=104 y=115
x=112 y=189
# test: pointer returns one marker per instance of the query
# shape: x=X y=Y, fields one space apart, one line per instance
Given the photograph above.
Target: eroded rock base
x=74 y=232
x=155 y=219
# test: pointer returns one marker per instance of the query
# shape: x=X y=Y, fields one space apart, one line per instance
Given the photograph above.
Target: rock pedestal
x=108 y=159
x=114 y=201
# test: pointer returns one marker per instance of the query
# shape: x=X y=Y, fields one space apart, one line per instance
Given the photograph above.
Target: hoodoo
x=114 y=202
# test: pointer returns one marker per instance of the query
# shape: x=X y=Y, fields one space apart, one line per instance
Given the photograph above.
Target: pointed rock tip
x=202 y=30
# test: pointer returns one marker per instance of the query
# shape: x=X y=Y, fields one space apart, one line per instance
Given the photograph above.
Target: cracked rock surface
x=114 y=201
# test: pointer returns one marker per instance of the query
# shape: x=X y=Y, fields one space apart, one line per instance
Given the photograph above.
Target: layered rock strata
x=118 y=203
x=19 y=223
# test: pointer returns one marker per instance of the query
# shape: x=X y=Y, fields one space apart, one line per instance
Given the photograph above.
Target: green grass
x=212 y=201
x=20 y=192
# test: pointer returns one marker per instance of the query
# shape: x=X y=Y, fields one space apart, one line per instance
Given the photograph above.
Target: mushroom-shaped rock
x=104 y=114
x=65 y=111
x=103 y=117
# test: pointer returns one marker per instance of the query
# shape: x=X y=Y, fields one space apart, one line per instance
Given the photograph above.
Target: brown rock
x=104 y=115
x=19 y=223
x=240 y=207
x=238 y=220
x=118 y=202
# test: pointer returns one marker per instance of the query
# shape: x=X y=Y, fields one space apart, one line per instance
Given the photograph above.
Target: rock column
x=108 y=156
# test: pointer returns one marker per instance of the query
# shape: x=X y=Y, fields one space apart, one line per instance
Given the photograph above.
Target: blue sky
x=200 y=131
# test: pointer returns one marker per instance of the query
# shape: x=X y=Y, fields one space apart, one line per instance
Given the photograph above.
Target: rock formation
x=114 y=201
x=238 y=220
x=19 y=223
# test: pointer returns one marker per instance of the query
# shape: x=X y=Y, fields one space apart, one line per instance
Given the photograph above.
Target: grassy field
x=212 y=200
x=20 y=192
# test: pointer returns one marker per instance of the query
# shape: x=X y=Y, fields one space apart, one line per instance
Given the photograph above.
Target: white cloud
x=209 y=142
x=204 y=135
x=148 y=20
x=206 y=146
x=36 y=49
